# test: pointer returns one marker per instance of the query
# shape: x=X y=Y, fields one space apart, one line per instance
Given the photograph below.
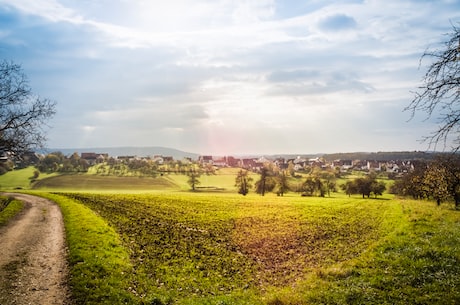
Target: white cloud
x=243 y=76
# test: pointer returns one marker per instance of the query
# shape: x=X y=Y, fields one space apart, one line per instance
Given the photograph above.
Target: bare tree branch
x=23 y=115
x=440 y=92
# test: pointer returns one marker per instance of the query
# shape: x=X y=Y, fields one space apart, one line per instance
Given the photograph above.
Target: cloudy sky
x=228 y=76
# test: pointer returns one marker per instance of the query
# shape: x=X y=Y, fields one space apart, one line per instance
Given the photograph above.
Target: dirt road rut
x=33 y=267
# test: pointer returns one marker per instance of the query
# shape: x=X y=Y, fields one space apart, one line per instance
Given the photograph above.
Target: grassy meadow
x=223 y=181
x=157 y=243
x=21 y=179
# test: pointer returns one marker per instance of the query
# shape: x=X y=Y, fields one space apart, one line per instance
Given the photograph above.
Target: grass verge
x=99 y=265
x=11 y=208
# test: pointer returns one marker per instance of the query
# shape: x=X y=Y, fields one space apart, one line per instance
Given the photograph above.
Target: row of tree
x=317 y=183
x=58 y=162
x=365 y=186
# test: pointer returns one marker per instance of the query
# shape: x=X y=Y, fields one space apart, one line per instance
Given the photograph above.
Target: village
x=395 y=164
x=255 y=164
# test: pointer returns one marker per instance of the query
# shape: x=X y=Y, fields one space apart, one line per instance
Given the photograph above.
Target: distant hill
x=129 y=151
x=377 y=156
x=382 y=156
x=178 y=154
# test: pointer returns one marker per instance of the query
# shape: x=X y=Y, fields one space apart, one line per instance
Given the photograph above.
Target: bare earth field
x=33 y=268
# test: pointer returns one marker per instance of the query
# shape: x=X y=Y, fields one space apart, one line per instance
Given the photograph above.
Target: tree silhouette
x=440 y=92
x=23 y=115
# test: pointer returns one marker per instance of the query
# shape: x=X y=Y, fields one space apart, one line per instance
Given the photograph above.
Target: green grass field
x=20 y=179
x=198 y=248
x=84 y=182
x=8 y=209
x=17 y=179
x=168 y=246
x=223 y=181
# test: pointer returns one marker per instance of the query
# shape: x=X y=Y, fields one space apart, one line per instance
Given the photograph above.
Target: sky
x=229 y=76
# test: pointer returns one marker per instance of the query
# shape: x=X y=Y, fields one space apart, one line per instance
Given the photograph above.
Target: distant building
x=344 y=165
x=94 y=158
x=232 y=162
x=247 y=163
x=205 y=160
x=126 y=158
x=159 y=159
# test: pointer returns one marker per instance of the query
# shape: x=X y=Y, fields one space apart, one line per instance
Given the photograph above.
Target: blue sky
x=228 y=77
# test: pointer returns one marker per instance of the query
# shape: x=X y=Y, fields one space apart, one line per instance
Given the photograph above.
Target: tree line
x=319 y=182
x=438 y=180
x=58 y=162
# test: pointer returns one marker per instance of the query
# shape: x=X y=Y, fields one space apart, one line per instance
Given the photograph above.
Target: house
x=247 y=163
x=220 y=161
x=232 y=162
x=160 y=159
x=125 y=158
x=29 y=157
x=344 y=165
x=205 y=160
x=300 y=163
x=392 y=167
x=359 y=165
x=317 y=162
x=374 y=166
x=94 y=158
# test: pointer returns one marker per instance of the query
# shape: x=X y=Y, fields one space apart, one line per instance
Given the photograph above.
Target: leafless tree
x=439 y=95
x=23 y=115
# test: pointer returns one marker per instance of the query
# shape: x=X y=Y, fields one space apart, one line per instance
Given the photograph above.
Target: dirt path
x=33 y=267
